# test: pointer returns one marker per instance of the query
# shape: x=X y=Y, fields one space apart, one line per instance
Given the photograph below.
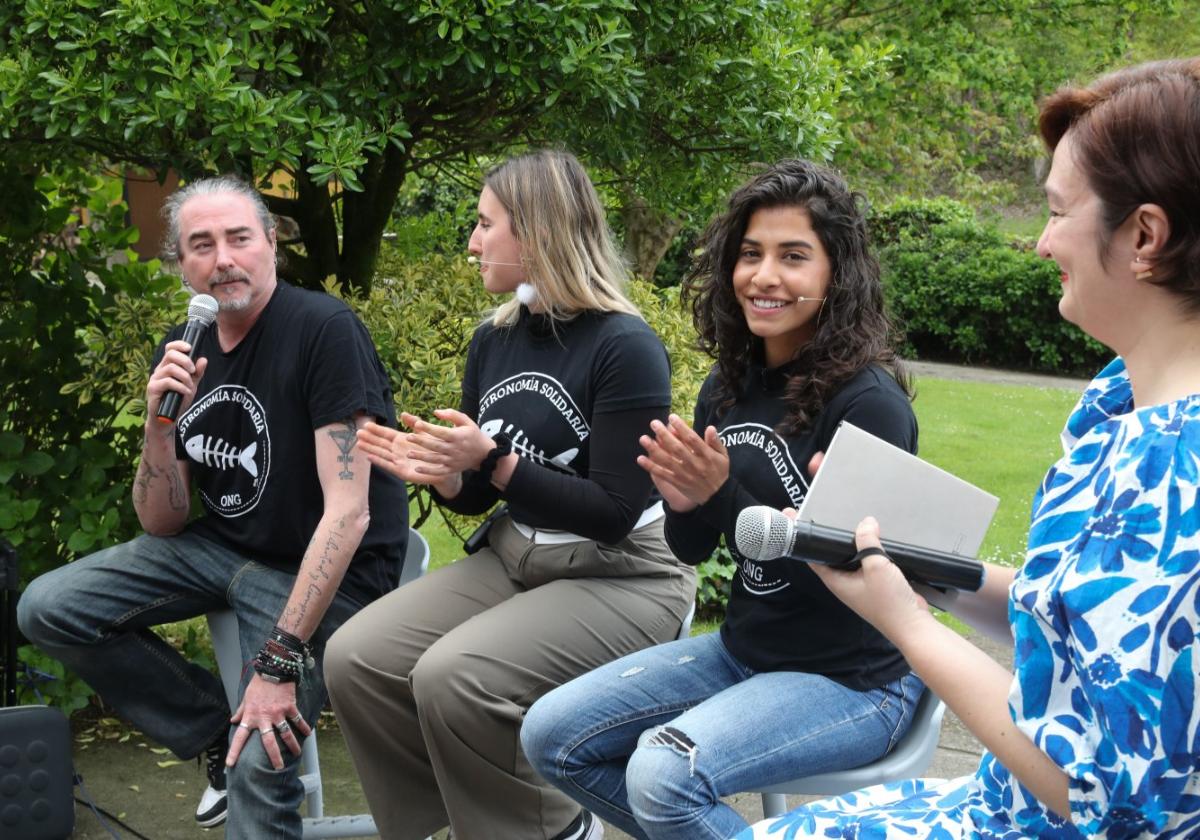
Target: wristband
x=283 y=657
x=487 y=466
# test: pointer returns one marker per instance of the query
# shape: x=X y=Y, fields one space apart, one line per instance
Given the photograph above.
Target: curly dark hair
x=853 y=329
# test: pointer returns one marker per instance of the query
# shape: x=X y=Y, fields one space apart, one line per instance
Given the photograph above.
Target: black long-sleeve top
x=574 y=396
x=780 y=616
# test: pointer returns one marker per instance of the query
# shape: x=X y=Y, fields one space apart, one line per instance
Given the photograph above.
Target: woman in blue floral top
x=1098 y=735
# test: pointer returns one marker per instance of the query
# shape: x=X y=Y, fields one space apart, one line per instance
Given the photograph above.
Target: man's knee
x=37 y=608
x=253 y=780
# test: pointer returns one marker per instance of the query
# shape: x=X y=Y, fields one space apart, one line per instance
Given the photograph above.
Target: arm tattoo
x=141 y=485
x=344 y=438
x=321 y=573
x=177 y=495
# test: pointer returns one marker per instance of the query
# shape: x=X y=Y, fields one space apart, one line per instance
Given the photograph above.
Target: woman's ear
x=1150 y=229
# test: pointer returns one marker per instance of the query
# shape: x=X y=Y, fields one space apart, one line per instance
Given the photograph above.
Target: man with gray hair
x=297 y=532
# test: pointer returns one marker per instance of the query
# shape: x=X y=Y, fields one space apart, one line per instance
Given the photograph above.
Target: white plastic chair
x=685 y=629
x=910 y=758
x=224 y=630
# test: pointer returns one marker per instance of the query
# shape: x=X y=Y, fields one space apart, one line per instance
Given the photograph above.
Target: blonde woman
x=431 y=685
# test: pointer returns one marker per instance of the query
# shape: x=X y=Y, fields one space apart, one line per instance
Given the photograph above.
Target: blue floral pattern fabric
x=1104 y=617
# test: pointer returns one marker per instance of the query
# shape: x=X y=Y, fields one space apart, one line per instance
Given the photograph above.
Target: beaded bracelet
x=283 y=657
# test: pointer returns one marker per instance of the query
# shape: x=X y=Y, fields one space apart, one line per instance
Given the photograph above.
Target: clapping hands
x=686 y=468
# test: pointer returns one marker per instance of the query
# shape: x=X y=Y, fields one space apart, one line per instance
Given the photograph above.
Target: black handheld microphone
x=202 y=311
x=763 y=533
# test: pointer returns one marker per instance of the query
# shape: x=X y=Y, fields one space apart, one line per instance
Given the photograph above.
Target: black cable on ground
x=97 y=810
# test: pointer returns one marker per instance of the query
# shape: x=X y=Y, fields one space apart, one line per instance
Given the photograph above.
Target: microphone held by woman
x=763 y=533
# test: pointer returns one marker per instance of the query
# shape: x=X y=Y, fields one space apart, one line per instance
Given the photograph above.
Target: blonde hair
x=567 y=248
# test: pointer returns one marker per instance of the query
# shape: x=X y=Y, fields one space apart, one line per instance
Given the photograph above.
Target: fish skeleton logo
x=536 y=401
x=214 y=452
x=225 y=434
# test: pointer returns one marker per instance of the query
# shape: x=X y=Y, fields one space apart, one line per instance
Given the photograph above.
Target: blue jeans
x=652 y=741
x=94 y=616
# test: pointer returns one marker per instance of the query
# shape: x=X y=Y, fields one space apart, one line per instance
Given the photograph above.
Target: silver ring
x=282 y=727
x=296 y=720
x=266 y=732
x=244 y=726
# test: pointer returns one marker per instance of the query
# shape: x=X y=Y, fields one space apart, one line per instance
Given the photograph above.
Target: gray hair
x=208 y=186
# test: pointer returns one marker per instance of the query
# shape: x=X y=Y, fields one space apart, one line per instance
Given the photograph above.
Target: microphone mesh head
x=203 y=308
x=762 y=533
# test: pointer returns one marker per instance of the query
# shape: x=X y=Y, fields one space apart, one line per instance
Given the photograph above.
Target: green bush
x=914 y=218
x=964 y=293
x=714 y=579
x=77 y=325
x=78 y=321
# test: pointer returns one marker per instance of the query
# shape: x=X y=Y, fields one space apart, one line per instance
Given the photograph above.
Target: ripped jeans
x=652 y=741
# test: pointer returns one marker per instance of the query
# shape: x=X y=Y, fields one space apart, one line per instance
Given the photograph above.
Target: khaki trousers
x=430 y=683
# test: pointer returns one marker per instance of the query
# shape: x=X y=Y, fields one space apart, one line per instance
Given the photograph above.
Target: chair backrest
x=910 y=758
x=685 y=629
x=416 y=557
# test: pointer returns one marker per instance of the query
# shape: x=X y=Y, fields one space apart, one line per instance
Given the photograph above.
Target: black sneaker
x=583 y=827
x=214 y=804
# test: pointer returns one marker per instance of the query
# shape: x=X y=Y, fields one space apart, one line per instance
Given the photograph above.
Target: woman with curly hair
x=787 y=297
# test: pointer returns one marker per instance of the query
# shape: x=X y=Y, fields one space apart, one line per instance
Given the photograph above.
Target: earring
x=1142 y=275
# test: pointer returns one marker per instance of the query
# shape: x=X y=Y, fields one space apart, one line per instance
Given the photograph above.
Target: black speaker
x=36 y=774
x=9 y=582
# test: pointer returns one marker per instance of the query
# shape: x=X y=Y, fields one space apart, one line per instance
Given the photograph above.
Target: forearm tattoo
x=344 y=438
x=177 y=495
x=141 y=485
x=318 y=577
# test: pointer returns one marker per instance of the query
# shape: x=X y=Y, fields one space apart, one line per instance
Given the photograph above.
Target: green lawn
x=1002 y=438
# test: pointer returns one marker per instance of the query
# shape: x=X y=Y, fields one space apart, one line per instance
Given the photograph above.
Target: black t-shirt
x=780 y=616
x=574 y=396
x=248 y=436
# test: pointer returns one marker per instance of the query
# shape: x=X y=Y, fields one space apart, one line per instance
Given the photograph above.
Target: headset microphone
x=474 y=260
x=803 y=299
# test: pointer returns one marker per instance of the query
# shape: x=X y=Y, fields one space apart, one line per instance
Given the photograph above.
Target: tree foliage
x=958 y=105
x=672 y=97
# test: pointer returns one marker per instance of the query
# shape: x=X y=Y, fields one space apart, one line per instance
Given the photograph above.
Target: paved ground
x=999 y=377
x=125 y=776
